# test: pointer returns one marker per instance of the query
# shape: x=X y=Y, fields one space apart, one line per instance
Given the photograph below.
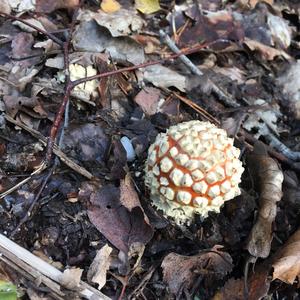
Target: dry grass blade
x=197 y=108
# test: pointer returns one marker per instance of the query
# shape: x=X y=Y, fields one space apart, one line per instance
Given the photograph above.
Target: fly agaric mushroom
x=192 y=169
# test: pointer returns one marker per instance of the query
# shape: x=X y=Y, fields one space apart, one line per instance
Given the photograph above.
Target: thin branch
x=143 y=65
x=15 y=187
x=41 y=270
x=49 y=35
x=168 y=41
x=32 y=205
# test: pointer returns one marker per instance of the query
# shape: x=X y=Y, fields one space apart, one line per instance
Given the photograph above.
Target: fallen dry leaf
x=46 y=6
x=110 y=6
x=291 y=189
x=180 y=271
x=268 y=113
x=148 y=99
x=267 y=52
x=258 y=286
x=5 y=7
x=290 y=82
x=286 y=263
x=91 y=37
x=161 y=76
x=120 y=23
x=128 y=196
x=147 y=6
x=117 y=169
x=71 y=278
x=86 y=142
x=99 y=266
x=268 y=178
x=31 y=106
x=22 y=50
x=252 y=3
x=280 y=30
x=119 y=225
x=210 y=27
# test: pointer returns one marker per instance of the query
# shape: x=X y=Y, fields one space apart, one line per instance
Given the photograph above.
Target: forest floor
x=73 y=150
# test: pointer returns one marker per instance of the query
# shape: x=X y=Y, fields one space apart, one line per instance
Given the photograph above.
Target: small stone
x=127 y=145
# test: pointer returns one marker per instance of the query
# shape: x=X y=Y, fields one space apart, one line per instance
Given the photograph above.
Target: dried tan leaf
x=99 y=266
x=5 y=7
x=268 y=177
x=47 y=6
x=267 y=52
x=147 y=6
x=128 y=195
x=180 y=271
x=258 y=286
x=110 y=6
x=71 y=278
x=252 y=3
x=121 y=226
x=148 y=100
x=287 y=261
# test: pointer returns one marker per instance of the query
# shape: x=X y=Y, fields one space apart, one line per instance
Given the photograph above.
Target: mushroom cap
x=191 y=169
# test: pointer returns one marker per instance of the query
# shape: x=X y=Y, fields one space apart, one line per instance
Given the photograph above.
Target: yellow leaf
x=110 y=6
x=147 y=6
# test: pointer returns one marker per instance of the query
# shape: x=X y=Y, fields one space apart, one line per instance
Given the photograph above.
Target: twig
x=69 y=86
x=227 y=100
x=15 y=187
x=279 y=146
x=197 y=108
x=49 y=35
x=143 y=283
x=167 y=40
x=32 y=205
x=41 y=270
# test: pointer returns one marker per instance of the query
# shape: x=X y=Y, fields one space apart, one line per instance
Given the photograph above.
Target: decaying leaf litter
x=85 y=209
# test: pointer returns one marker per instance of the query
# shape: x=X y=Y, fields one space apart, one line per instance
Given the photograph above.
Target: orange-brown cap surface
x=192 y=168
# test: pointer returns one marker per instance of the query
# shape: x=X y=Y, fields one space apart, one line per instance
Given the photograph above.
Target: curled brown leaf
x=120 y=225
x=180 y=271
x=268 y=178
x=286 y=263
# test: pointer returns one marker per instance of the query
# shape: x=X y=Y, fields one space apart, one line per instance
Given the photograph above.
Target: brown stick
x=49 y=35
